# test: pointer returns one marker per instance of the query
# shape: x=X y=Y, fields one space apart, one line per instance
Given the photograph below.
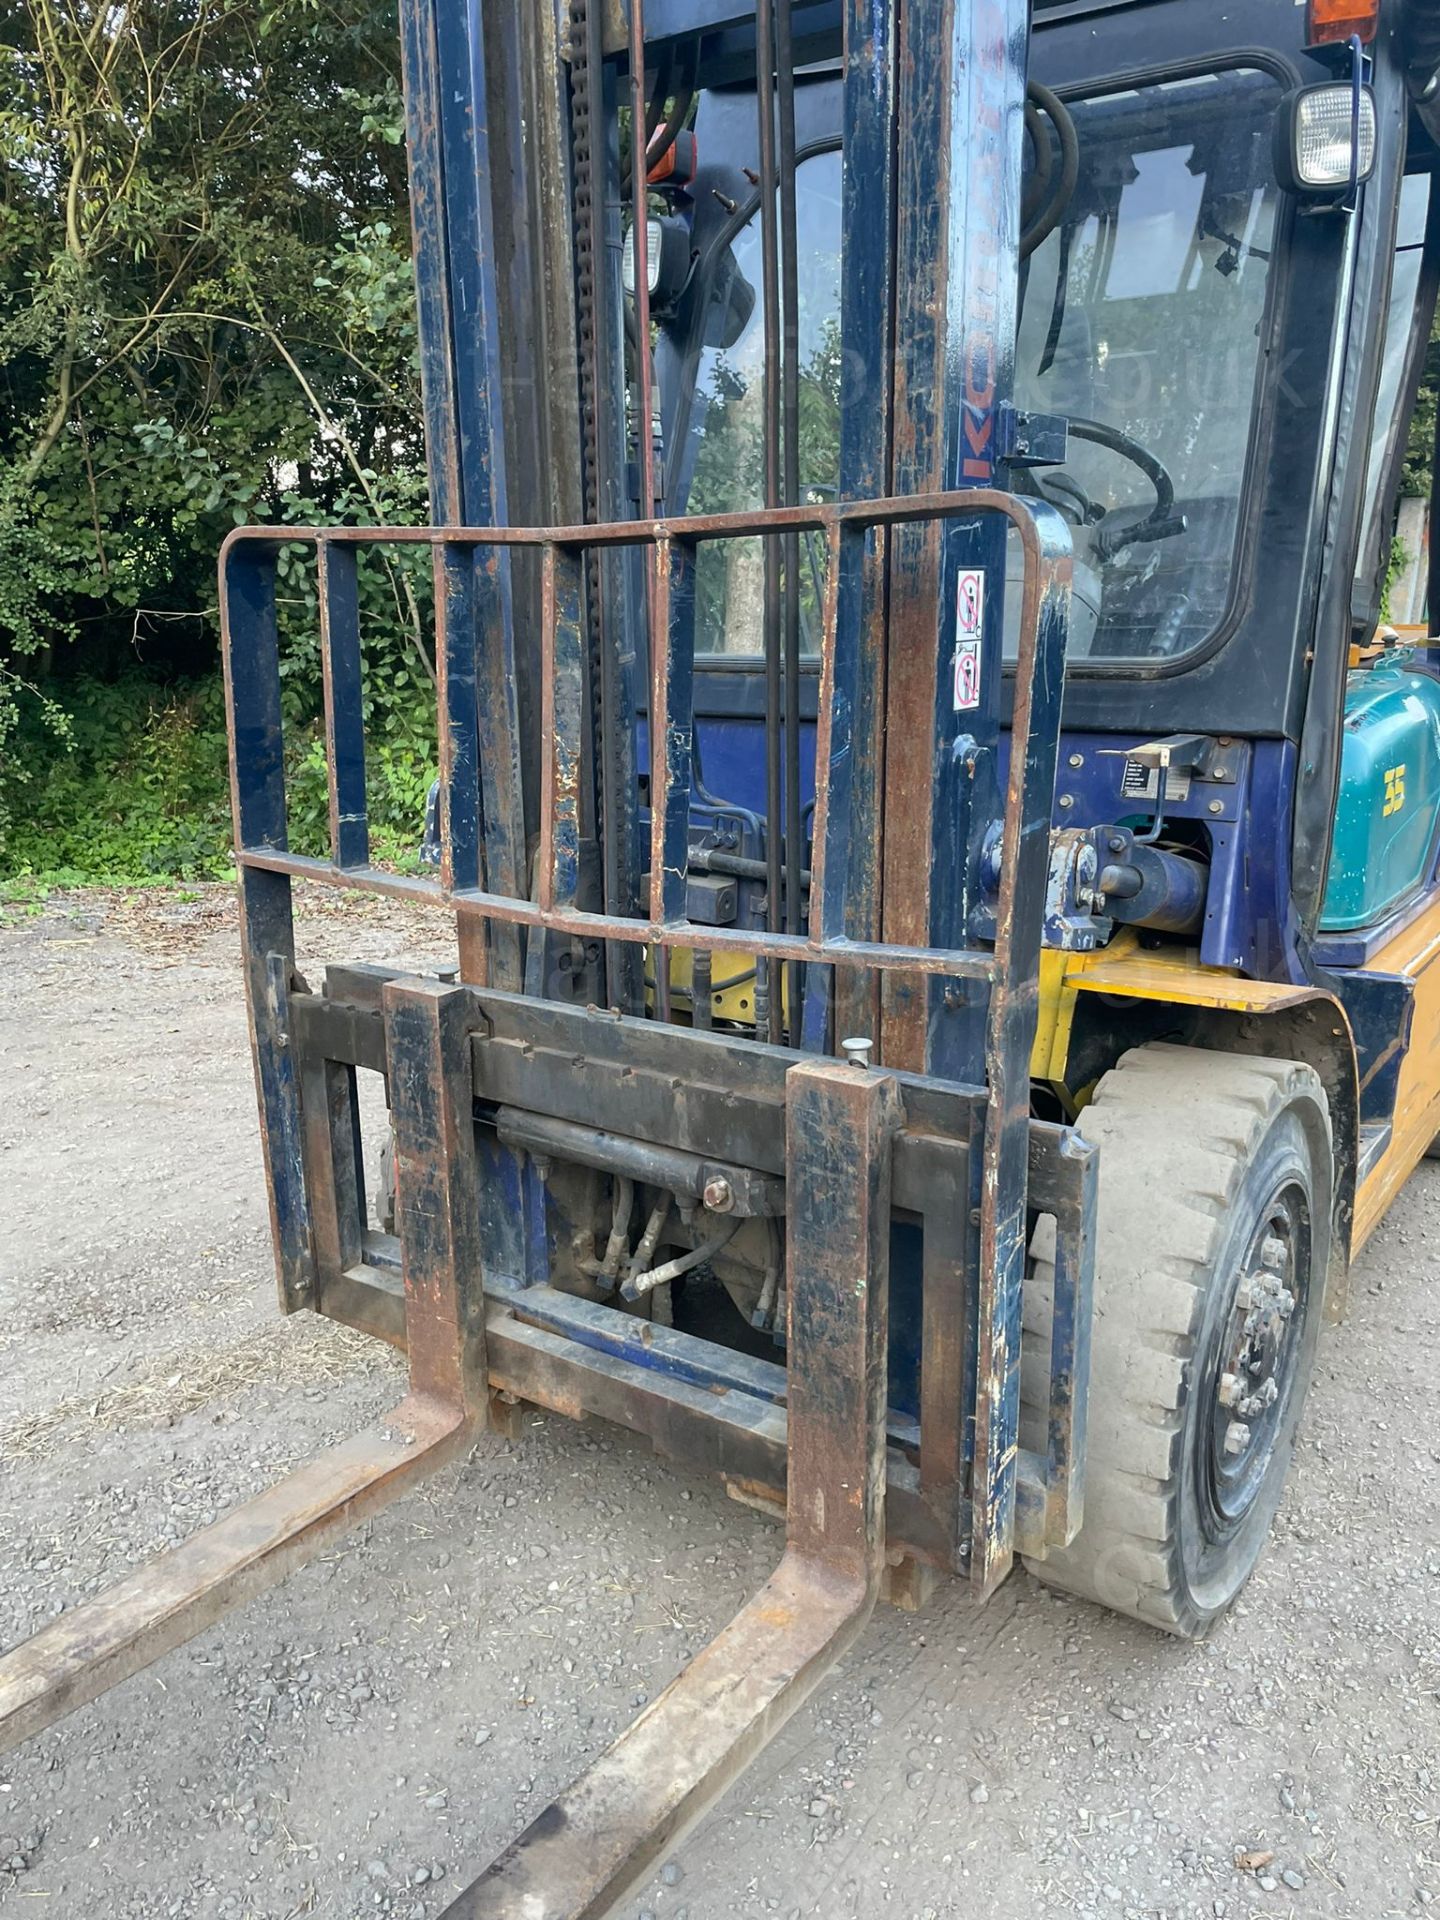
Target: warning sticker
x=967 y=676
x=969 y=638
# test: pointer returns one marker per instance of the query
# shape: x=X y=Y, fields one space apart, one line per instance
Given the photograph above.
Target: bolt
x=857 y=1052
x=1067 y=800
x=1217 y=806
x=1237 y=1438
x=719 y=1194
x=1264 y=1396
x=1117 y=843
x=1077 y=759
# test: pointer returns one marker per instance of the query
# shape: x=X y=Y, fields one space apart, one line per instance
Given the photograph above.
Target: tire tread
x=1183 y=1123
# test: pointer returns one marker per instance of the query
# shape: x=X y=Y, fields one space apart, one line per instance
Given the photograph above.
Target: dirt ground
x=357 y=1741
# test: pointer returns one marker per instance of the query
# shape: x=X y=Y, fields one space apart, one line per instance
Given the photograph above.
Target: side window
x=1387 y=546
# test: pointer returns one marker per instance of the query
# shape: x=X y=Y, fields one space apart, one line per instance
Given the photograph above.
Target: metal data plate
x=1142 y=782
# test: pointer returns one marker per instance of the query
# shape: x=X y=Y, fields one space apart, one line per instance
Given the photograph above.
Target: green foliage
x=1398 y=561
x=730 y=478
x=206 y=318
x=1420 y=454
x=135 y=788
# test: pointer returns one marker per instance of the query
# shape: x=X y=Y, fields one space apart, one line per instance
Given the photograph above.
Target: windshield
x=1141 y=322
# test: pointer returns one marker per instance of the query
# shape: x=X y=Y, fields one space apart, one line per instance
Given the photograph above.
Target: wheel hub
x=1257 y=1350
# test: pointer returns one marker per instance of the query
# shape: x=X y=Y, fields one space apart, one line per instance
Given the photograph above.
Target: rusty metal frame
x=563 y=1079
x=980 y=1371
x=841 y=1127
x=250 y=553
x=841 y=1149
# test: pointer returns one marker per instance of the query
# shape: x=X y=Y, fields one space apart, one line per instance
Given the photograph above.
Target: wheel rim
x=1261 y=1338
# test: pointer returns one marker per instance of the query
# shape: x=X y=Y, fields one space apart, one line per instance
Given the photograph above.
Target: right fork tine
x=606 y=1831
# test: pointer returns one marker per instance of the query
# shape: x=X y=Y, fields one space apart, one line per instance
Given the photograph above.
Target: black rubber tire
x=1198 y=1151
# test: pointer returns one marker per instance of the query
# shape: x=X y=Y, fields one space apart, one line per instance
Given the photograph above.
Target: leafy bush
x=206 y=318
x=134 y=787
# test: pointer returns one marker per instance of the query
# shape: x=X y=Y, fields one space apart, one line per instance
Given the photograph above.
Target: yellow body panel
x=729 y=1003
x=1177 y=977
x=1415 y=953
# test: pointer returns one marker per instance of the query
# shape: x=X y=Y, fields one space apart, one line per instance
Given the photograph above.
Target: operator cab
x=1224 y=341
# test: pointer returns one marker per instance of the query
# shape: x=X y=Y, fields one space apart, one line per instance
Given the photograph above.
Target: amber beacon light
x=1339 y=20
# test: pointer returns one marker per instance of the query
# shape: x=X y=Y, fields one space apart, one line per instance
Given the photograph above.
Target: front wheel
x=1213 y=1239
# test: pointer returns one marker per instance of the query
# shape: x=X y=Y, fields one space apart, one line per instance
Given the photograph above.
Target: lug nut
x=1260 y=1401
x=1237 y=1438
x=1229 y=1389
x=719 y=1195
x=1274 y=1253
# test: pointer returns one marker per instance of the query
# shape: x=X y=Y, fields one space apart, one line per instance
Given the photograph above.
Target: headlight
x=1315 y=146
x=652 y=256
x=667 y=259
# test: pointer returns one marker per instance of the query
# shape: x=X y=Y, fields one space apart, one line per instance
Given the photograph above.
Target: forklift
x=942 y=844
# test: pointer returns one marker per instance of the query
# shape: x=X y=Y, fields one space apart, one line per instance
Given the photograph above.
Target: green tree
x=206 y=317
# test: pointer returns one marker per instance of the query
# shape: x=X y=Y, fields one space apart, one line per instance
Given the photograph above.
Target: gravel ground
x=356 y=1741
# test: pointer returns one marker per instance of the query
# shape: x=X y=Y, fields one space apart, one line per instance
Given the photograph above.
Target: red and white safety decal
x=969 y=638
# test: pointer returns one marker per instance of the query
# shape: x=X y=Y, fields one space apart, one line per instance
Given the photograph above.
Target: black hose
x=687 y=66
x=1038 y=184
x=1100 y=435
x=1038 y=230
x=655 y=112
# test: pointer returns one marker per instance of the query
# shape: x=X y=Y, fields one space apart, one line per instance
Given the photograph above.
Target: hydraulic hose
x=640 y=1284
x=1037 y=230
x=1100 y=435
x=687 y=65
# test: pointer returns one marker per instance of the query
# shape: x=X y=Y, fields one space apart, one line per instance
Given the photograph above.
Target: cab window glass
x=728 y=418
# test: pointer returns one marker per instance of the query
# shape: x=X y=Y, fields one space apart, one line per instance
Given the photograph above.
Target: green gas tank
x=1389 y=806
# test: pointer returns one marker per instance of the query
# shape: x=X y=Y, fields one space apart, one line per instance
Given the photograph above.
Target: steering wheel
x=1162 y=522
